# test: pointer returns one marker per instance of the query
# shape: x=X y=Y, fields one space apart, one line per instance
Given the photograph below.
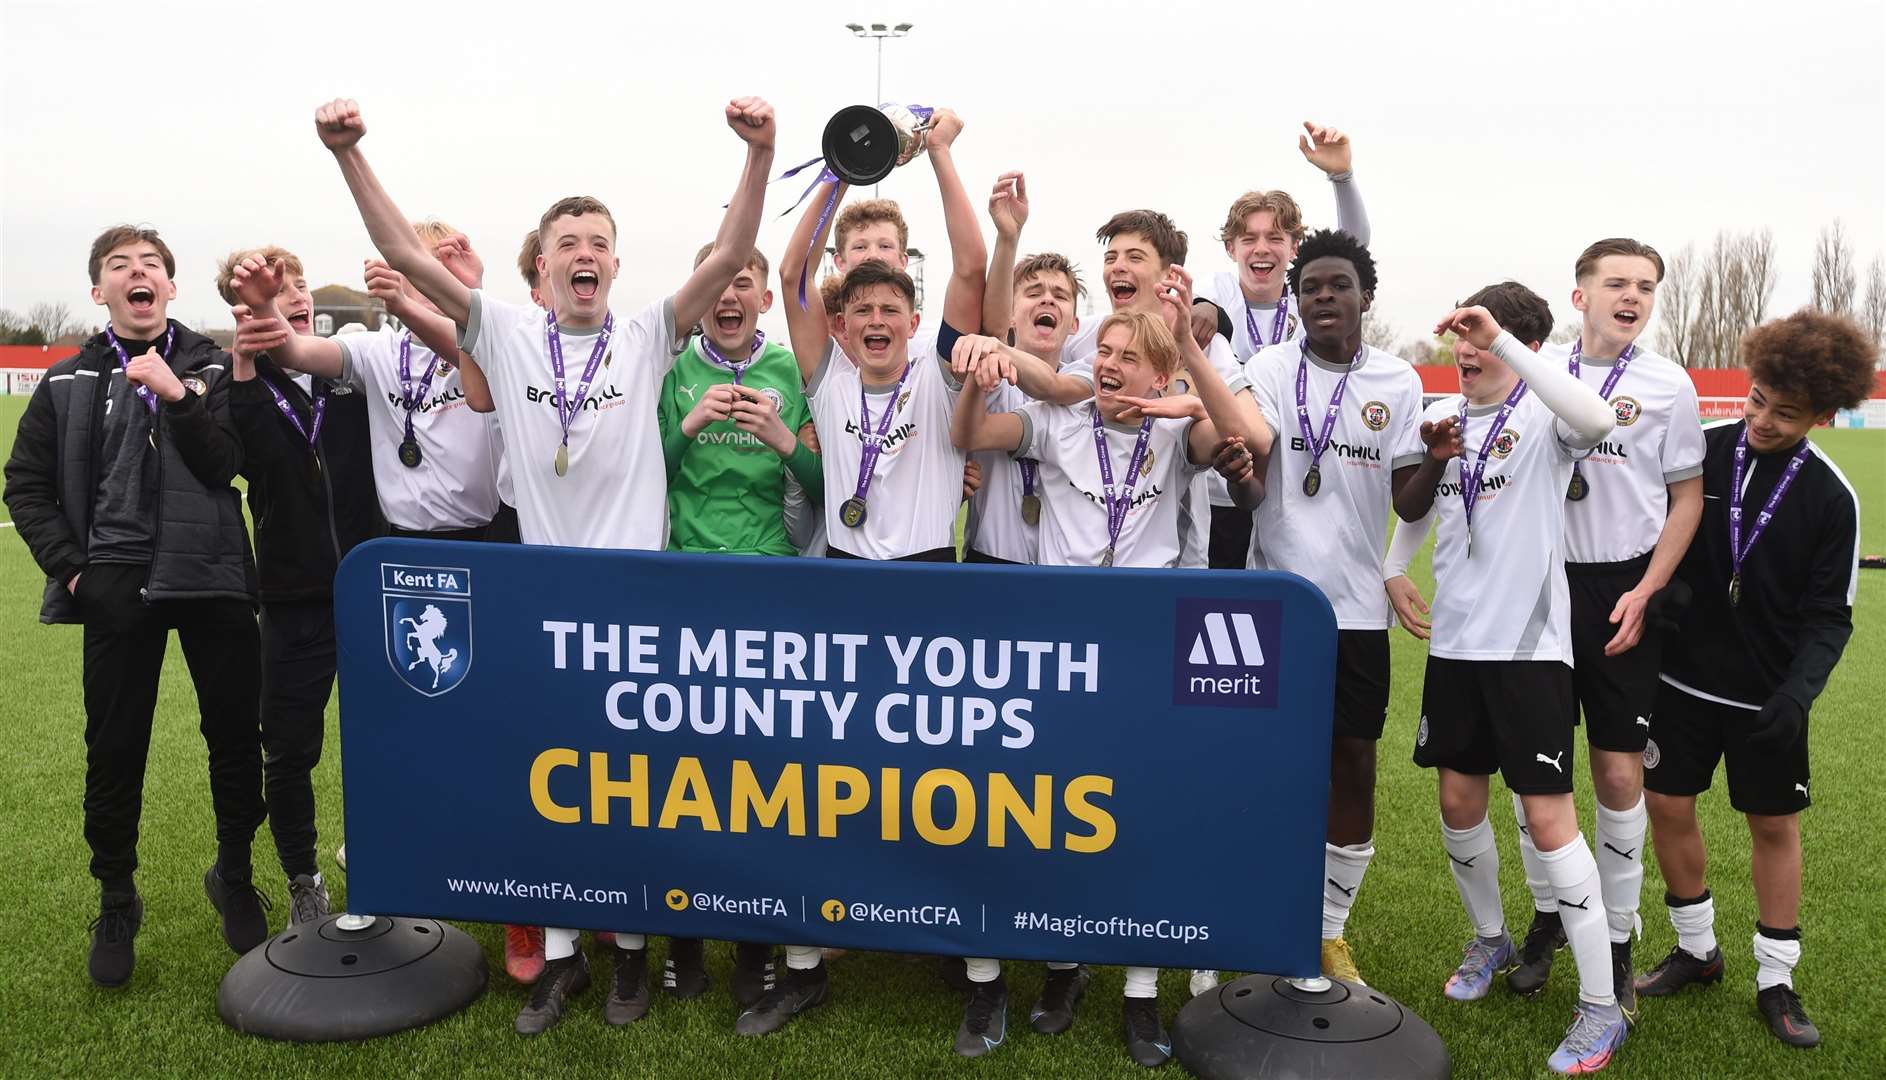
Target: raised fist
x=751 y=118
x=339 y=124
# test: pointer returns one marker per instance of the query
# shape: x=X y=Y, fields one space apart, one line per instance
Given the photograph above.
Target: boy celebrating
x=1498 y=691
x=1771 y=575
x=1352 y=416
x=119 y=482
x=1113 y=472
x=588 y=471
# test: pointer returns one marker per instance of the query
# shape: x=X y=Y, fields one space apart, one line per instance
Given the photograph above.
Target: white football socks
x=1475 y=861
x=1620 y=858
x=559 y=942
x=1574 y=876
x=1142 y=982
x=1775 y=957
x=1536 y=883
x=803 y=957
x=1694 y=922
x=1343 y=868
x=983 y=971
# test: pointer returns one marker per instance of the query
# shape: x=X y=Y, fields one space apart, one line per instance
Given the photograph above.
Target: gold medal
x=1107 y=558
x=1031 y=509
x=562 y=462
x=1313 y=481
x=1578 y=488
x=852 y=513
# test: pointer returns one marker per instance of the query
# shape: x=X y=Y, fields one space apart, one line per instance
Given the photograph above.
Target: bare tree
x=1873 y=305
x=1676 y=302
x=1758 y=278
x=53 y=321
x=1834 y=276
x=1733 y=285
x=15 y=330
x=1417 y=351
x=1377 y=332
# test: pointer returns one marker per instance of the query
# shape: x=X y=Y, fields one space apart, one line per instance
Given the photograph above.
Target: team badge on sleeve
x=1376 y=415
x=428 y=616
x=1627 y=409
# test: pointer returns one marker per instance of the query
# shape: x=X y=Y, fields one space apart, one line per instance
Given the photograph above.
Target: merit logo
x=1225 y=653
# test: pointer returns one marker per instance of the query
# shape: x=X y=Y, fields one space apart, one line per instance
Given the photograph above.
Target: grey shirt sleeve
x=1351 y=216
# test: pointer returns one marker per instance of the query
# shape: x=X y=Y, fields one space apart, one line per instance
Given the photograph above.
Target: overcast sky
x=1492 y=139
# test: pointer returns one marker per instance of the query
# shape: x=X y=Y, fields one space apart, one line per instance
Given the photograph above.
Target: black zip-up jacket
x=201 y=547
x=311 y=506
x=1796 y=609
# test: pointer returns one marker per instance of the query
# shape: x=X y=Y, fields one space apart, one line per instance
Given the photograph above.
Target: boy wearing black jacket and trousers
x=119 y=483
x=309 y=462
x=1772 y=573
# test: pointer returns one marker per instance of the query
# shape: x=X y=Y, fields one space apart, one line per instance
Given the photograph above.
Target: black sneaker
x=955 y=972
x=985 y=1018
x=562 y=980
x=307 y=900
x=1146 y=1040
x=628 y=992
x=753 y=967
x=1678 y=970
x=792 y=994
x=1622 y=982
x=1054 y=1009
x=113 y=955
x=684 y=973
x=241 y=905
x=1544 y=939
x=1781 y=1007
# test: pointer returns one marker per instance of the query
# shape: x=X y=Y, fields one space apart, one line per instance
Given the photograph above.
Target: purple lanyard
x=320 y=409
x=1117 y=507
x=566 y=415
x=1738 y=551
x=1470 y=481
x=1617 y=369
x=144 y=393
x=1320 y=442
x=1276 y=324
x=408 y=397
x=874 y=440
x=1030 y=467
x=739 y=369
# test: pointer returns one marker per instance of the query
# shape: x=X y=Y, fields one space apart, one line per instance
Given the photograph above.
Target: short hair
x=226 y=270
x=432 y=230
x=574 y=206
x=1517 y=309
x=1283 y=209
x=756 y=261
x=1166 y=238
x=870 y=212
x=118 y=236
x=1049 y=262
x=1333 y=244
x=1826 y=359
x=872 y=272
x=1587 y=263
x=527 y=255
x=1152 y=339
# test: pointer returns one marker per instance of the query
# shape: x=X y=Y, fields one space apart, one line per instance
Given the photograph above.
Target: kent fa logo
x=428 y=618
x=1226 y=653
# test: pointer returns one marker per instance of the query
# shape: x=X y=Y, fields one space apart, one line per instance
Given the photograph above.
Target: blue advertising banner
x=1112 y=766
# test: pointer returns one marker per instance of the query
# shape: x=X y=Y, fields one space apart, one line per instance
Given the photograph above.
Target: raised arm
x=806 y=324
x=752 y=119
x=975 y=428
x=432 y=329
x=1328 y=149
x=1229 y=414
x=1415 y=498
x=340 y=126
x=256 y=284
x=969 y=259
x=1008 y=209
x=1584 y=415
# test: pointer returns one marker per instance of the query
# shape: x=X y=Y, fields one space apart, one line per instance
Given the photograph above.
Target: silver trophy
x=863 y=144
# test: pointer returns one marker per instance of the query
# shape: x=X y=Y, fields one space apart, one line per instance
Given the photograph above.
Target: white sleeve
x=1683 y=442
x=1407 y=444
x=1584 y=417
x=1037 y=441
x=1265 y=392
x=1409 y=536
x=651 y=336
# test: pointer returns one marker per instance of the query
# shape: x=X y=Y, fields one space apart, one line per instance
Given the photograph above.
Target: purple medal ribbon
x=1320 y=442
x=1030 y=468
x=738 y=368
x=874 y=440
x=408 y=397
x=144 y=393
x=1610 y=383
x=1738 y=551
x=1117 y=507
x=1276 y=324
x=1470 y=481
x=310 y=433
x=566 y=413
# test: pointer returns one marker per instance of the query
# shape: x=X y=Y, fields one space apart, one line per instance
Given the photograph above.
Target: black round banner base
x=321 y=983
x=1267 y=1026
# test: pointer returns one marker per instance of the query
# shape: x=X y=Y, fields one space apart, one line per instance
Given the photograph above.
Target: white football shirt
x=455 y=484
x=995 y=526
x=1074 y=503
x=1657 y=442
x=919 y=479
x=1335 y=538
x=1222 y=288
x=1509 y=600
x=615 y=493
